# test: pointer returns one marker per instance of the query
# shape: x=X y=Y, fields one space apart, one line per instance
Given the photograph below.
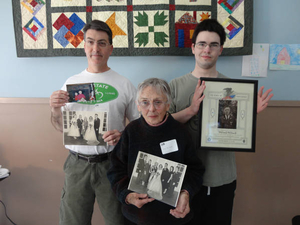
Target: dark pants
x=97 y=133
x=296 y=220
x=215 y=208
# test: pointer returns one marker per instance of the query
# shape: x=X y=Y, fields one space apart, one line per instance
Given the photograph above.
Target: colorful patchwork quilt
x=140 y=27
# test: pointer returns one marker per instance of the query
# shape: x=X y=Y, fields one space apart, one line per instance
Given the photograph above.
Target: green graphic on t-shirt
x=101 y=93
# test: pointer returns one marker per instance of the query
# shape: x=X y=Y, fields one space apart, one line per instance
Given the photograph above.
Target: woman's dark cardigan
x=139 y=136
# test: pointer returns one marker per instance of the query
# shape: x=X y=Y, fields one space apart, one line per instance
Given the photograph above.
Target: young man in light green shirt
x=214 y=203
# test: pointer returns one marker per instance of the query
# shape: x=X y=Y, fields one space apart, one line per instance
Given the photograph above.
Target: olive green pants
x=84 y=182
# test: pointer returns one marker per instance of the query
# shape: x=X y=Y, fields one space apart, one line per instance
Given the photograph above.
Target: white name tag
x=169 y=146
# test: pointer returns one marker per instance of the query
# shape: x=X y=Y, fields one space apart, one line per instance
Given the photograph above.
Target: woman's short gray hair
x=160 y=85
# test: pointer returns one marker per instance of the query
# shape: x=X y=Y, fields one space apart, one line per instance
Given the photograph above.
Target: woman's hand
x=112 y=137
x=138 y=199
x=183 y=206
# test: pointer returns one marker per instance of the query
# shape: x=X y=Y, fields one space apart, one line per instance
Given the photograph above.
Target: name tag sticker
x=169 y=146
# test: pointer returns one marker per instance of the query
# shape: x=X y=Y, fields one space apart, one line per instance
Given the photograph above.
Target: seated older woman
x=155 y=126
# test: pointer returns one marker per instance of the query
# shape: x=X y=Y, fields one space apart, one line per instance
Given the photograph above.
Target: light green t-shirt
x=220 y=166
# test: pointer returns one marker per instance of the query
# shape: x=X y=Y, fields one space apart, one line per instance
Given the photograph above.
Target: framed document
x=228 y=115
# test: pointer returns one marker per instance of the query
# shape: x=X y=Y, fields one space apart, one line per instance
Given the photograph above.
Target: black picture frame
x=227 y=115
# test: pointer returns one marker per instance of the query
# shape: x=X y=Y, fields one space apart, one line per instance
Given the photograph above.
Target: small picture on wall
x=84 y=127
x=81 y=92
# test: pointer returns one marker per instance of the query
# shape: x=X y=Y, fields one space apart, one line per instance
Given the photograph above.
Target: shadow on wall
x=30 y=194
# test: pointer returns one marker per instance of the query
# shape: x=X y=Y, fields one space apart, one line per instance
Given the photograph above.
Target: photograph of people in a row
x=158 y=177
x=84 y=127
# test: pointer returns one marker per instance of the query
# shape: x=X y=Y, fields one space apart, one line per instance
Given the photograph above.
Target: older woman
x=155 y=126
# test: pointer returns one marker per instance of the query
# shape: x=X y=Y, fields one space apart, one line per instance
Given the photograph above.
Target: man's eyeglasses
x=101 y=44
x=203 y=45
x=146 y=104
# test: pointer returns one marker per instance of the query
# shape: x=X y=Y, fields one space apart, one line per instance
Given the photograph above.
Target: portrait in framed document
x=227 y=115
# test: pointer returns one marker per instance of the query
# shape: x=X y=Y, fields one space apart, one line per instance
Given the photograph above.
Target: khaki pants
x=84 y=182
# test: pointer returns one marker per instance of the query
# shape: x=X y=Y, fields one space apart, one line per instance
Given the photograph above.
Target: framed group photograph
x=158 y=177
x=84 y=127
x=228 y=115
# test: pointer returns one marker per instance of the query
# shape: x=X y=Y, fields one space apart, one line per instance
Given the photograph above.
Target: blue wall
x=275 y=22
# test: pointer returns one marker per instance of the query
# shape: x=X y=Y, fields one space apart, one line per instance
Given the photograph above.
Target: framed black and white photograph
x=84 y=127
x=228 y=115
x=158 y=177
x=81 y=92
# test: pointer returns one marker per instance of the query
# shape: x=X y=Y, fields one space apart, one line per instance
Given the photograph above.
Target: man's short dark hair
x=210 y=25
x=99 y=26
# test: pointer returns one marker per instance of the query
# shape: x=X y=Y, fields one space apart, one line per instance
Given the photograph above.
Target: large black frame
x=227 y=115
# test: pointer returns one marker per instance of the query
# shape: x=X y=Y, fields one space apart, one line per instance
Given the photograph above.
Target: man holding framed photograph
x=214 y=203
x=86 y=166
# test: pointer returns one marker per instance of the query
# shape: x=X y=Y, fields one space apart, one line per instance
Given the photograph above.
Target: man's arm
x=57 y=100
x=263 y=99
x=185 y=115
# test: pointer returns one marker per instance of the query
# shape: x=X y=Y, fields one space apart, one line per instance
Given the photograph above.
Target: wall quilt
x=140 y=27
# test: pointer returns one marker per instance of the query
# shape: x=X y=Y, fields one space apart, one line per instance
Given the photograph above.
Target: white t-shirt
x=120 y=108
